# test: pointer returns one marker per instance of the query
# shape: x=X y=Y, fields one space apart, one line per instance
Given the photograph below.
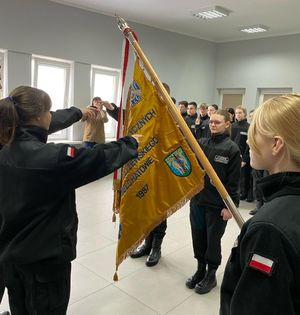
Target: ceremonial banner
x=163 y=177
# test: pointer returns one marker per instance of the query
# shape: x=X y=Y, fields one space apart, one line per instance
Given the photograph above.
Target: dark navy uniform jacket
x=191 y=122
x=38 y=219
x=262 y=276
x=224 y=156
x=239 y=134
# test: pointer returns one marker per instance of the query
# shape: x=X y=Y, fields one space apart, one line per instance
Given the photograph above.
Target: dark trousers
x=89 y=144
x=246 y=186
x=2 y=285
x=257 y=194
x=38 y=289
x=208 y=228
x=160 y=231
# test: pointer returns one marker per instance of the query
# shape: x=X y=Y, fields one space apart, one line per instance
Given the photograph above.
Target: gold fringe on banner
x=117 y=198
x=168 y=213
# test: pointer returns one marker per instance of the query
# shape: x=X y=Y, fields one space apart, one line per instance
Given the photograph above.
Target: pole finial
x=122 y=25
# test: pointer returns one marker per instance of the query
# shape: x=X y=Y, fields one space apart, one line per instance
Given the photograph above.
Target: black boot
x=197 y=277
x=143 y=249
x=155 y=253
x=209 y=281
x=253 y=211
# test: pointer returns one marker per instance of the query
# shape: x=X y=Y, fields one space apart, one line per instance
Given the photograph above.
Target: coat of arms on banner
x=179 y=163
x=136 y=94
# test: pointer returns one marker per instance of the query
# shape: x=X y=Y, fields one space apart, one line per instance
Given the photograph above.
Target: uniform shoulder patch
x=221 y=159
x=71 y=152
x=262 y=264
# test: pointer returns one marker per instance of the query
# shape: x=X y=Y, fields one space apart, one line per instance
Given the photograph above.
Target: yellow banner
x=163 y=177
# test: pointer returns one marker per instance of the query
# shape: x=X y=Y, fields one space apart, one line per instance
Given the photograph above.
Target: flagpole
x=127 y=32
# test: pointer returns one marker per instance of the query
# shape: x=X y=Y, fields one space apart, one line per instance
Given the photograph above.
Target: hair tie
x=12 y=100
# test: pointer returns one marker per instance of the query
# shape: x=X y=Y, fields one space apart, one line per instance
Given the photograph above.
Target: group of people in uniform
x=38 y=218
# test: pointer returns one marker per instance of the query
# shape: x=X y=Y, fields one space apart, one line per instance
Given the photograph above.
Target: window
x=1 y=74
x=105 y=84
x=266 y=94
x=231 y=97
x=53 y=76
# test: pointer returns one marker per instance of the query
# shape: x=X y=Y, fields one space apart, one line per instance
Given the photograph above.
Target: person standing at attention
x=262 y=275
x=191 y=117
x=239 y=135
x=152 y=244
x=94 y=125
x=208 y=213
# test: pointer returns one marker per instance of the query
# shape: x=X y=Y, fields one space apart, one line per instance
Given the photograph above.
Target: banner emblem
x=136 y=94
x=179 y=163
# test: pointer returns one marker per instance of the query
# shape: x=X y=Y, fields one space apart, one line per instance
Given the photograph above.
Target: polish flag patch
x=71 y=152
x=262 y=264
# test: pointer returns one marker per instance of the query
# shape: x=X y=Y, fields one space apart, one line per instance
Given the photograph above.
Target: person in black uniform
x=262 y=275
x=151 y=246
x=203 y=130
x=202 y=121
x=183 y=108
x=208 y=214
x=239 y=134
x=37 y=201
x=191 y=117
x=60 y=119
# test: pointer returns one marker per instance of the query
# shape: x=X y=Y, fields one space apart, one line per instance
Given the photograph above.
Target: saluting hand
x=107 y=105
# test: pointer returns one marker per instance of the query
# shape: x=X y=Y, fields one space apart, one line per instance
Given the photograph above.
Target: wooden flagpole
x=127 y=32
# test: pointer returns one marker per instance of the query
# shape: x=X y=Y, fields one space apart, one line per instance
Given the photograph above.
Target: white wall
x=194 y=68
x=46 y=28
x=262 y=63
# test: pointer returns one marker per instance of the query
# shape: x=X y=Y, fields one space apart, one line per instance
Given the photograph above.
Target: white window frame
x=225 y=91
x=116 y=74
x=3 y=72
x=262 y=91
x=37 y=61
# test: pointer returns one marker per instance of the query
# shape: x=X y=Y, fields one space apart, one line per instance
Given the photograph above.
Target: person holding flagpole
x=262 y=275
x=152 y=243
x=208 y=213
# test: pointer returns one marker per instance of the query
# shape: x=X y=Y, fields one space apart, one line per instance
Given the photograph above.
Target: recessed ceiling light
x=254 y=29
x=211 y=13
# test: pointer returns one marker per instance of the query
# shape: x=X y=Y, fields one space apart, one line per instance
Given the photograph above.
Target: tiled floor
x=140 y=290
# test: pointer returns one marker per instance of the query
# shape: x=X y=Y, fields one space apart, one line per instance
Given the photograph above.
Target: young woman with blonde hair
x=262 y=275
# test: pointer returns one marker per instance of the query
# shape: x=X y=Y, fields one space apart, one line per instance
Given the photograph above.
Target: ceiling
x=281 y=16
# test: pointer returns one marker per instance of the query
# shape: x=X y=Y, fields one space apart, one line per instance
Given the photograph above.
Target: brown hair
x=23 y=104
x=166 y=86
x=184 y=103
x=243 y=108
x=227 y=117
x=96 y=98
x=225 y=113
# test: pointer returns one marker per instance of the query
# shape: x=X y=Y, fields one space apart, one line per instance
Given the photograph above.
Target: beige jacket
x=94 y=128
